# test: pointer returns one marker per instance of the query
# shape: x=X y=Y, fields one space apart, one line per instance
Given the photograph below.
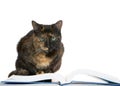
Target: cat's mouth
x=44 y=48
x=48 y=50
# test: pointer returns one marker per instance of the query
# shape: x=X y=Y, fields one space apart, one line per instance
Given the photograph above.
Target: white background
x=91 y=32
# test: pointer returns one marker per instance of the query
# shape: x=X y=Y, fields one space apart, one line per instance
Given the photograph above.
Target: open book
x=73 y=78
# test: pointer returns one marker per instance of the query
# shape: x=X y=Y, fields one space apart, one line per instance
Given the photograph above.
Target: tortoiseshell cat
x=40 y=51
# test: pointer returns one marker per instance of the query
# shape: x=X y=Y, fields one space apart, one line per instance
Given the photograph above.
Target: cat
x=40 y=51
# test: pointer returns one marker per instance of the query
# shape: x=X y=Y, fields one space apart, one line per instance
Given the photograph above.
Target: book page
x=40 y=84
x=90 y=76
x=35 y=78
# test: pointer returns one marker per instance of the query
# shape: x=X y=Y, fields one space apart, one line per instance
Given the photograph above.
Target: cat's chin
x=46 y=51
x=52 y=50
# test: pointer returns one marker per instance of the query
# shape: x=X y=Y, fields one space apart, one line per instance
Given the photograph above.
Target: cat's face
x=48 y=36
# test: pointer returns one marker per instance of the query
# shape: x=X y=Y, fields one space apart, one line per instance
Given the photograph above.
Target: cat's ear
x=35 y=25
x=58 y=24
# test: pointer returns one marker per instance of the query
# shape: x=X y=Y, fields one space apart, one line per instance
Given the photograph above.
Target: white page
x=29 y=79
x=91 y=74
x=42 y=84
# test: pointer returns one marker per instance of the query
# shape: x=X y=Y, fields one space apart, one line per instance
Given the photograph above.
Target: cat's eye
x=42 y=39
x=53 y=38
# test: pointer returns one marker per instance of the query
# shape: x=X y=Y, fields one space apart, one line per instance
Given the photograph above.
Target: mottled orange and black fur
x=40 y=51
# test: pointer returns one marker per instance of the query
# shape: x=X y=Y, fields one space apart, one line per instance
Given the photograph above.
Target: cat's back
x=25 y=42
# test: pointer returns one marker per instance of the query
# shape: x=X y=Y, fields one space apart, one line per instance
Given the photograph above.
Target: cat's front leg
x=40 y=72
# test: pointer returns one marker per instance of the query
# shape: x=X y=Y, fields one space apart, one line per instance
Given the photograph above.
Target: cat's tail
x=19 y=72
x=12 y=73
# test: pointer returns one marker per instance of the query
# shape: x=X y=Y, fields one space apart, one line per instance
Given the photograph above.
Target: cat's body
x=40 y=51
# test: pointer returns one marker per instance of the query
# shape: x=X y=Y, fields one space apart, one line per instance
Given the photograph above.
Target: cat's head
x=48 y=36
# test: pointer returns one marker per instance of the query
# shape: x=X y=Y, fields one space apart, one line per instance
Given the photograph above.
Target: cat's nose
x=47 y=43
x=46 y=49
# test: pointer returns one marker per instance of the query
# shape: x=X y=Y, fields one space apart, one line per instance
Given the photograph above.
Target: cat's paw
x=40 y=72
